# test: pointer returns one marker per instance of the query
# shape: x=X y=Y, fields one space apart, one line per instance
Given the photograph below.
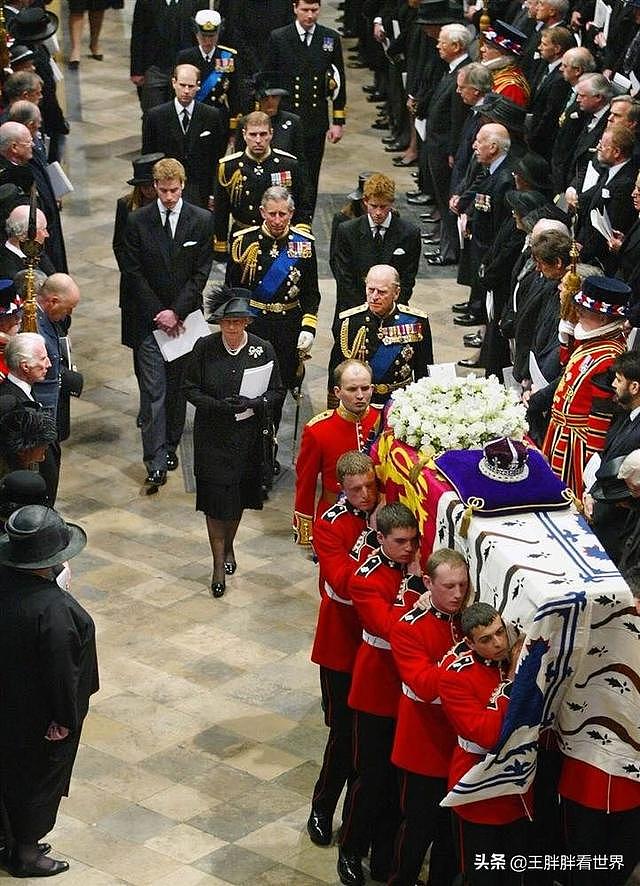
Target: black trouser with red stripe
x=477 y=843
x=337 y=764
x=371 y=809
x=424 y=822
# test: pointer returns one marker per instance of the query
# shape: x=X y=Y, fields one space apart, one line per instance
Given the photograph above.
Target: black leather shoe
x=376 y=98
x=400 y=161
x=466 y=320
x=430 y=217
x=350 y=869
x=441 y=262
x=217 y=589
x=154 y=480
x=462 y=307
x=319 y=827
x=419 y=200
x=415 y=174
x=357 y=66
x=430 y=239
x=472 y=341
x=380 y=124
x=172 y=461
x=369 y=88
x=469 y=364
x=230 y=567
x=389 y=139
x=44 y=866
x=395 y=147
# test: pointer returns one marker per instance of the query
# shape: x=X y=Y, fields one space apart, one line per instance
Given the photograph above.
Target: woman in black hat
x=25 y=437
x=228 y=430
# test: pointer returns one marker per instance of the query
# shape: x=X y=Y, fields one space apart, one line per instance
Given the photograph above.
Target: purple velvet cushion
x=540 y=491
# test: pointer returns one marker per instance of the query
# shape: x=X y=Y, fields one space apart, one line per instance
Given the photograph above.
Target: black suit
x=54 y=244
x=445 y=121
x=629 y=260
x=585 y=150
x=571 y=121
x=546 y=106
x=199 y=149
x=306 y=70
x=612 y=523
x=11 y=264
x=162 y=275
x=355 y=252
x=615 y=197
x=13 y=397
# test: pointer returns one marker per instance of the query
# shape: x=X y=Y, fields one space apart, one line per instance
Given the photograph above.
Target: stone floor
x=201 y=749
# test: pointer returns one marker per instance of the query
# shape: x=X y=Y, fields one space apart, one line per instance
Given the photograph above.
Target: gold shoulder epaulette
x=284 y=153
x=321 y=416
x=351 y=311
x=245 y=231
x=409 y=310
x=302 y=232
x=228 y=49
x=231 y=156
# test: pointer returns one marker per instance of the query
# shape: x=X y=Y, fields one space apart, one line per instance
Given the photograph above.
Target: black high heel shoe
x=230 y=567
x=217 y=589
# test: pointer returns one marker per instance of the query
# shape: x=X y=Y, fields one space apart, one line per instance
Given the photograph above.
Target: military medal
x=283 y=179
x=327 y=44
x=299 y=249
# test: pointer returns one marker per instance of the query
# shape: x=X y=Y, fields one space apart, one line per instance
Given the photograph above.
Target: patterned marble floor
x=200 y=751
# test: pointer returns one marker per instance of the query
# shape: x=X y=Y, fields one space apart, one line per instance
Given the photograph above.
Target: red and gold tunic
x=324 y=439
x=512 y=84
x=580 y=418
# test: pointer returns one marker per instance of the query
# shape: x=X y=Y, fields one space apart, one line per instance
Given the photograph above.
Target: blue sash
x=277 y=274
x=208 y=85
x=386 y=354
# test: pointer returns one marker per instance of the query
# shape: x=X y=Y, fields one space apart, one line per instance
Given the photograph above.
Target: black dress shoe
x=430 y=217
x=369 y=88
x=319 y=827
x=154 y=480
x=230 y=567
x=380 y=124
x=469 y=364
x=356 y=66
x=461 y=307
x=472 y=341
x=350 y=869
x=395 y=147
x=415 y=174
x=376 y=98
x=172 y=461
x=389 y=139
x=420 y=200
x=43 y=866
x=467 y=320
x=441 y=262
x=400 y=161
x=430 y=240
x=217 y=589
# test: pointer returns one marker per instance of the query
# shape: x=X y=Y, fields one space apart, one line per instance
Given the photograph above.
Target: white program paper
x=255 y=381
x=443 y=371
x=590 y=178
x=589 y=473
x=538 y=381
x=601 y=222
x=421 y=127
x=60 y=182
x=195 y=327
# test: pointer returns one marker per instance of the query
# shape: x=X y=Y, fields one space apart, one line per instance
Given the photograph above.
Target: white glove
x=305 y=341
x=565 y=331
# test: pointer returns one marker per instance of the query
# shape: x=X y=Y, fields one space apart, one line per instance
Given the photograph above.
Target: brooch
x=256 y=351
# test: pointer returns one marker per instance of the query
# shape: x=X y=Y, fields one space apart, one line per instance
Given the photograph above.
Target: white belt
x=331 y=593
x=372 y=640
x=408 y=691
x=472 y=747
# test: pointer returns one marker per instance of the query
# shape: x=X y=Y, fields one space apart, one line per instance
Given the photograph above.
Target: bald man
x=188 y=131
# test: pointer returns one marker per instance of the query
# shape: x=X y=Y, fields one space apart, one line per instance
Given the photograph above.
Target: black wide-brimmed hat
x=268 y=83
x=498 y=109
x=37 y=537
x=358 y=194
x=19 y=53
x=524 y=202
x=439 y=12
x=143 y=168
x=226 y=303
x=535 y=170
x=33 y=25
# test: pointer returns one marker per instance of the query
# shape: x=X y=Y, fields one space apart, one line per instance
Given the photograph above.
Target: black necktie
x=167 y=226
x=306 y=40
x=185 y=120
x=378 y=238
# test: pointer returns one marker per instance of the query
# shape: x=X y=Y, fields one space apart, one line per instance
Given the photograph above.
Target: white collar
x=553 y=65
x=15 y=249
x=634 y=413
x=385 y=224
x=207 y=55
x=301 y=31
x=496 y=163
x=20 y=383
x=175 y=211
x=615 y=169
x=180 y=108
x=457 y=61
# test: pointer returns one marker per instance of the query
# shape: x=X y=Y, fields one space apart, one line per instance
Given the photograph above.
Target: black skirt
x=227 y=502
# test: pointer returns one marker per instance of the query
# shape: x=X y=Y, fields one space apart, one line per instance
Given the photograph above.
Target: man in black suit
x=379 y=236
x=593 y=94
x=445 y=120
x=159 y=31
x=575 y=63
x=612 y=521
x=309 y=55
x=12 y=258
x=28 y=362
x=18 y=166
x=217 y=66
x=190 y=132
x=550 y=93
x=611 y=193
x=168 y=260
